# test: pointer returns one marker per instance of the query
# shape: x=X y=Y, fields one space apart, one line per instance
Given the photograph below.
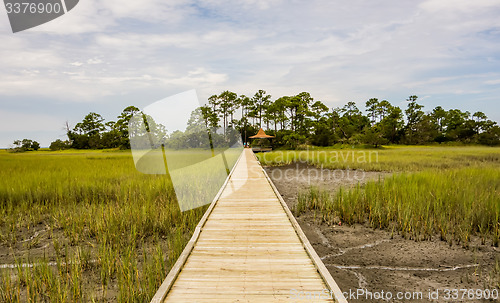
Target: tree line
x=300 y=119
x=294 y=120
x=91 y=133
x=25 y=145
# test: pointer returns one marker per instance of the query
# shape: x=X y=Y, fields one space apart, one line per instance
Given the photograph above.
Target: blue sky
x=105 y=55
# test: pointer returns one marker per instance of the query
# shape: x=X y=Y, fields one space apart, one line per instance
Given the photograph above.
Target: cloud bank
x=105 y=55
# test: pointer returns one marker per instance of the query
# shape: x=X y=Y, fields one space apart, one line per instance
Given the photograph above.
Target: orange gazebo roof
x=261 y=135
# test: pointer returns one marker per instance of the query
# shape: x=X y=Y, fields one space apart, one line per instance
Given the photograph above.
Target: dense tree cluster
x=300 y=119
x=94 y=133
x=25 y=145
x=60 y=145
x=196 y=135
x=294 y=120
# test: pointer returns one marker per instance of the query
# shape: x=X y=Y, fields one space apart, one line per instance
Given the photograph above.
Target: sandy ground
x=363 y=259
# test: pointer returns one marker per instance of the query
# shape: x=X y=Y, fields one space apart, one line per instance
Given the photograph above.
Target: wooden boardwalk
x=248 y=248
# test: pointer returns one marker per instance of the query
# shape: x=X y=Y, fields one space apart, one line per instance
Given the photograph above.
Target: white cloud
x=94 y=61
x=458 y=5
x=94 y=16
x=337 y=50
x=493 y=82
x=17 y=54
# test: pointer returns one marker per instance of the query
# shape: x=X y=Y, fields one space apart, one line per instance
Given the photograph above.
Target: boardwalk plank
x=247 y=250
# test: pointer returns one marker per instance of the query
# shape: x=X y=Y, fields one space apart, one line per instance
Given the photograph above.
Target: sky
x=103 y=56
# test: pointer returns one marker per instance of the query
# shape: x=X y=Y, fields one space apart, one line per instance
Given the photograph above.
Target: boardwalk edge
x=323 y=271
x=162 y=292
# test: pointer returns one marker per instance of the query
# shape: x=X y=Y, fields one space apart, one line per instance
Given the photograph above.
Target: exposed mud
x=40 y=242
x=359 y=257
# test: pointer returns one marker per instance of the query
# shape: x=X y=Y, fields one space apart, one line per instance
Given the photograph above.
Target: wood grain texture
x=247 y=249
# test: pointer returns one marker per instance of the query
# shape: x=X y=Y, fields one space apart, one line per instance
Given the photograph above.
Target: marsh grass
x=452 y=204
x=113 y=232
x=450 y=193
x=391 y=158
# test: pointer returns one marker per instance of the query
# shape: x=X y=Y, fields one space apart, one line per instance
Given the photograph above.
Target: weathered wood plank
x=247 y=249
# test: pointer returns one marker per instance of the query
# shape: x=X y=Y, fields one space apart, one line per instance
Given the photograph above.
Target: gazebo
x=262 y=146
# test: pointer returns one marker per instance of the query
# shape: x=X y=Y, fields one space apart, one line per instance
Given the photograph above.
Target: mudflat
x=364 y=260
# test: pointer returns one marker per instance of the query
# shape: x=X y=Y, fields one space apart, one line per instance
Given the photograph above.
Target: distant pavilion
x=264 y=143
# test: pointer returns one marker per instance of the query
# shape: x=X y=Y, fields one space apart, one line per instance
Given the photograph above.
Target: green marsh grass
x=109 y=232
x=389 y=158
x=449 y=191
x=452 y=204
